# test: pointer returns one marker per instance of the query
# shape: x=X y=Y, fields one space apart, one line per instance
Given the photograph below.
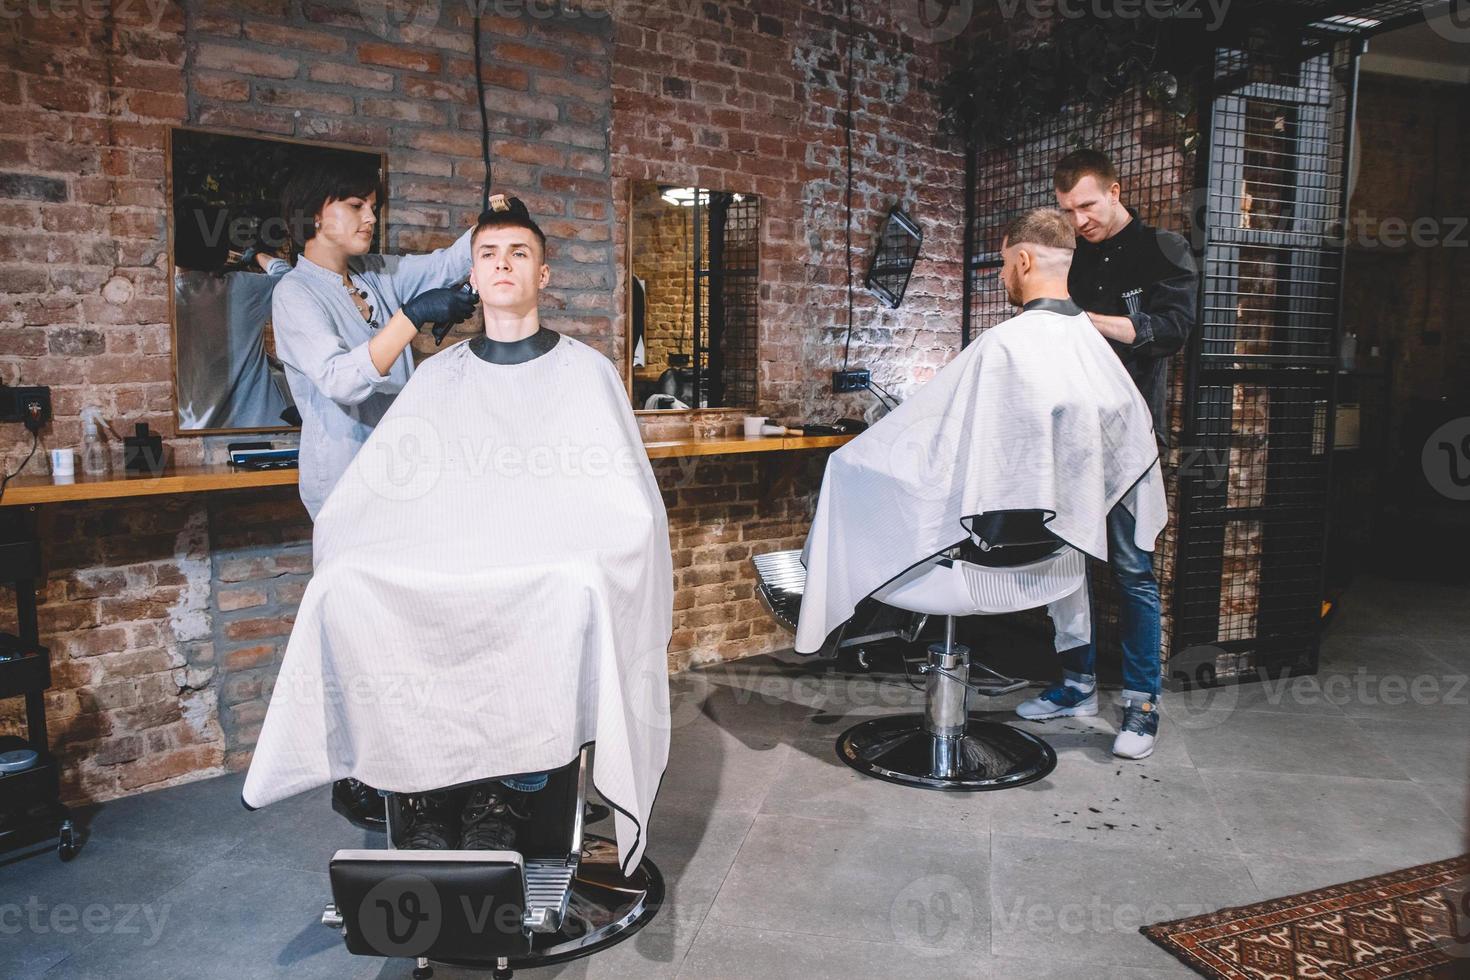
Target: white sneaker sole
x=1081 y=711
x=1142 y=755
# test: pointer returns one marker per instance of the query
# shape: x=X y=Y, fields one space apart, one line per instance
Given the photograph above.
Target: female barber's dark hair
x=517 y=216
x=326 y=176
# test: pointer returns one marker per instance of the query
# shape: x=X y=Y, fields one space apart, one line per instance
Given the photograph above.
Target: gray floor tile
x=1052 y=968
x=1277 y=876
x=719 y=768
x=731 y=951
x=229 y=920
x=813 y=782
x=1423 y=750
x=302 y=832
x=914 y=888
x=1086 y=902
x=1119 y=802
x=1453 y=799
x=106 y=891
x=1277 y=742
x=205 y=816
x=1308 y=816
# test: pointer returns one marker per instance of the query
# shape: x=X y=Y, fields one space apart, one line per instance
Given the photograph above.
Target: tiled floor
x=781 y=862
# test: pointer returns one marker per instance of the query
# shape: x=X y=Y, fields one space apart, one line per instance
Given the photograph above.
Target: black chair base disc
x=605 y=908
x=897 y=749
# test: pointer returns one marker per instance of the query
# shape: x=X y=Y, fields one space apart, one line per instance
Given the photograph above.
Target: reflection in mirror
x=893 y=259
x=229 y=247
x=693 y=329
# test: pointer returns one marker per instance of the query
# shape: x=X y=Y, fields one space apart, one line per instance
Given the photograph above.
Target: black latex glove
x=443 y=307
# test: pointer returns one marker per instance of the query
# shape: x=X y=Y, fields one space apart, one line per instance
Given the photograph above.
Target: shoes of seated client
x=488 y=822
x=430 y=824
x=359 y=803
x=1062 y=701
x=1140 y=729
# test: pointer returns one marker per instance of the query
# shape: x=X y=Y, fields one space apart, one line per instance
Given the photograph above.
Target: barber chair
x=561 y=896
x=1009 y=563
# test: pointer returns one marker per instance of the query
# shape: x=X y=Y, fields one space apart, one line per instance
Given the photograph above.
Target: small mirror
x=694 y=259
x=894 y=258
x=228 y=247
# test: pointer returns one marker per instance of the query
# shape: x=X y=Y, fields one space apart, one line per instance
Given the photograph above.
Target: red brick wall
x=168 y=616
x=750 y=99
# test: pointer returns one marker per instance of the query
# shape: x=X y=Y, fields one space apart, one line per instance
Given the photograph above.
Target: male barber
x=1138 y=285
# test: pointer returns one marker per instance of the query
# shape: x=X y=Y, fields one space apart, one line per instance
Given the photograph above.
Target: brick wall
x=168 y=616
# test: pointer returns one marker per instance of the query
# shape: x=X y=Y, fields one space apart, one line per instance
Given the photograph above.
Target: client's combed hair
x=519 y=216
x=1042 y=226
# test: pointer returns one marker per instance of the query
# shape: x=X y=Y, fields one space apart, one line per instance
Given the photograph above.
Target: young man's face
x=508 y=269
x=349 y=222
x=1092 y=207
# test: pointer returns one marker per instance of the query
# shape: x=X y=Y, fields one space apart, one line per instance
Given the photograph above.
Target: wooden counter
x=29 y=490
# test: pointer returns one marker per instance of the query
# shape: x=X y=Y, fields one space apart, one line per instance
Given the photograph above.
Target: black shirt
x=1149 y=276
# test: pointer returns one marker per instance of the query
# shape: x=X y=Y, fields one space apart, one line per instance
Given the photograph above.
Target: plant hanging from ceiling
x=1001 y=90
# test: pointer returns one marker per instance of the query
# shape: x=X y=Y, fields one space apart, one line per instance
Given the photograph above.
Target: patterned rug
x=1411 y=923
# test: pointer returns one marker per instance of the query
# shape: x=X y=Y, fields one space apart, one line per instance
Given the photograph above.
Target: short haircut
x=1042 y=226
x=516 y=216
x=326 y=176
x=1078 y=164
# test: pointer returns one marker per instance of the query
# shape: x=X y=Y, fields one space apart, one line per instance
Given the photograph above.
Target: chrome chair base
x=989 y=755
x=603 y=910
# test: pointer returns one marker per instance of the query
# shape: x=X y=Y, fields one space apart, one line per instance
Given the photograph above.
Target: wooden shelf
x=31 y=490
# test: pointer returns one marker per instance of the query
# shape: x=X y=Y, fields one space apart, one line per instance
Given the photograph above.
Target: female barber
x=343 y=321
x=344 y=318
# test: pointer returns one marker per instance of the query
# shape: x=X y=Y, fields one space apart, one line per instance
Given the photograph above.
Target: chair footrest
x=548 y=886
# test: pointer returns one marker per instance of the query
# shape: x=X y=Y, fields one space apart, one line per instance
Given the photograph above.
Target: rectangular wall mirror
x=693 y=294
x=228 y=247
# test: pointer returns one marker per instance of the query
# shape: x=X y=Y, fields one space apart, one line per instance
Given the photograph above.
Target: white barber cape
x=1038 y=414
x=493 y=589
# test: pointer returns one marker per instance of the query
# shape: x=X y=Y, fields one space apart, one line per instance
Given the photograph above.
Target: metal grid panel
x=1253 y=512
x=1143 y=143
x=741 y=283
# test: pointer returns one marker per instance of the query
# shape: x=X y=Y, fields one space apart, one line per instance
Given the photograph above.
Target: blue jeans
x=526 y=782
x=1138 y=614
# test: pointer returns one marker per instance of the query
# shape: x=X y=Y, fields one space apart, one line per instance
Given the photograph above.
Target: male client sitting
x=493 y=587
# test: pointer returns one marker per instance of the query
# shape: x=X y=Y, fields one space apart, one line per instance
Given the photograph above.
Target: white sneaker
x=1062 y=701
x=1139 y=731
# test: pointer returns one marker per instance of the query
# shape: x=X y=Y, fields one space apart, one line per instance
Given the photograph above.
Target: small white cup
x=63 y=462
x=753 y=425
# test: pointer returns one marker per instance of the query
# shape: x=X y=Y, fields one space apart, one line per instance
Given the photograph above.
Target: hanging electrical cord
x=35 y=441
x=847 y=130
x=879 y=395
x=484 y=119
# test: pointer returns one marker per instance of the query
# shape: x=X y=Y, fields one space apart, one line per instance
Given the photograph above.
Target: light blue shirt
x=323 y=341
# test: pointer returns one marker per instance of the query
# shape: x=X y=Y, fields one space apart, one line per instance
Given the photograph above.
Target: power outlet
x=854 y=380
x=30 y=404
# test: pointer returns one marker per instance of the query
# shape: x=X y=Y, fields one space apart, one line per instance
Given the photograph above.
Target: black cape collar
x=514 y=351
x=1064 y=307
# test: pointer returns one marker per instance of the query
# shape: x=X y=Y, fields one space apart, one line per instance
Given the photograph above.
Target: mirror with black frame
x=229 y=244
x=893 y=260
x=694 y=286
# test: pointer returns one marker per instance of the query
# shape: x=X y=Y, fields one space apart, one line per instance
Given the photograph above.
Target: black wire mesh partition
x=740 y=282
x=1262 y=203
x=1252 y=523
